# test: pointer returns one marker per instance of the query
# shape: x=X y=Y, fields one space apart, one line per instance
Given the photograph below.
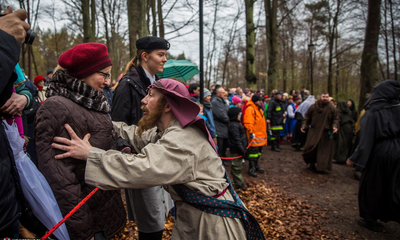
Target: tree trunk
x=106 y=25
x=394 y=39
x=154 y=16
x=86 y=20
x=369 y=58
x=250 y=43
x=385 y=32
x=93 y=20
x=272 y=41
x=160 y=18
x=137 y=11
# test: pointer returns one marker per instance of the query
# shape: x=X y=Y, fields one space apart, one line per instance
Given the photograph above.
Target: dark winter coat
x=104 y=211
x=207 y=110
x=130 y=91
x=275 y=111
x=345 y=132
x=109 y=95
x=9 y=178
x=237 y=136
x=221 y=119
x=378 y=152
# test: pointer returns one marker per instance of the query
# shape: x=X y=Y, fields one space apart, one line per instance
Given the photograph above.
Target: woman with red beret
x=75 y=96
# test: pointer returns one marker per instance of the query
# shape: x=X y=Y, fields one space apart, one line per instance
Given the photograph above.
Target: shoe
x=243 y=187
x=297 y=149
x=312 y=166
x=275 y=148
x=259 y=169
x=357 y=174
x=370 y=224
x=252 y=172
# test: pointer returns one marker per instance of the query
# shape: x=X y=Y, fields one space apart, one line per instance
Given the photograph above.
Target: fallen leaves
x=280 y=215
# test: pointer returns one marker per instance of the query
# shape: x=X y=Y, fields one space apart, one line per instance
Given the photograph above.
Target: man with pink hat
x=174 y=149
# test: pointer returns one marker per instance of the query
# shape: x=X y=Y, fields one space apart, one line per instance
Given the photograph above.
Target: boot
x=252 y=168
x=258 y=168
x=275 y=146
x=298 y=149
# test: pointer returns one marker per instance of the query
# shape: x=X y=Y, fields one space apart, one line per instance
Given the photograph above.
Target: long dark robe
x=379 y=154
x=298 y=138
x=321 y=119
x=345 y=133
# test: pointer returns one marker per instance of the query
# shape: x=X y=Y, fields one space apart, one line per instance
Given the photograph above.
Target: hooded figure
x=378 y=153
x=178 y=154
x=345 y=132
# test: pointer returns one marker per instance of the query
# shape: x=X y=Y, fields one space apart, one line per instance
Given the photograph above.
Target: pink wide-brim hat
x=178 y=97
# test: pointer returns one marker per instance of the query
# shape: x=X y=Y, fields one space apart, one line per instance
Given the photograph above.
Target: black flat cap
x=151 y=42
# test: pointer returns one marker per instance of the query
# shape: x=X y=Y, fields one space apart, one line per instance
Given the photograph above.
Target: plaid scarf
x=79 y=92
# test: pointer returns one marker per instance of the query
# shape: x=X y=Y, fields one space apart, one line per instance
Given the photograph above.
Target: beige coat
x=174 y=156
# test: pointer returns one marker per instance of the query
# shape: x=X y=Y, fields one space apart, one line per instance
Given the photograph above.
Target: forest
x=265 y=44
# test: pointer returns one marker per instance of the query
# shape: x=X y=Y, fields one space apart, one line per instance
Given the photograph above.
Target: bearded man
x=174 y=150
x=322 y=121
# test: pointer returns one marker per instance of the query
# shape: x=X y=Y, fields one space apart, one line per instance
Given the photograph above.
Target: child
x=237 y=145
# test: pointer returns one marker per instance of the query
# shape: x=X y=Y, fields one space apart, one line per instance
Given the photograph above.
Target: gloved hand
x=252 y=136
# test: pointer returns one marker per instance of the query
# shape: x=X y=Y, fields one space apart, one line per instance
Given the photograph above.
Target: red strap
x=221 y=194
x=240 y=155
x=69 y=214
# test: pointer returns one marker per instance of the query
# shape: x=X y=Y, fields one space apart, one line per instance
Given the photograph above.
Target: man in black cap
x=148 y=207
x=49 y=76
x=275 y=115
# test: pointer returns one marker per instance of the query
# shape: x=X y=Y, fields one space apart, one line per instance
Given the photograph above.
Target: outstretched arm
x=75 y=148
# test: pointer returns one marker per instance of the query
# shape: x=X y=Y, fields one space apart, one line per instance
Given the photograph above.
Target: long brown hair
x=135 y=62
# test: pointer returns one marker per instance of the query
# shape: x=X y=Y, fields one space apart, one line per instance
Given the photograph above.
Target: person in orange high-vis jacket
x=256 y=131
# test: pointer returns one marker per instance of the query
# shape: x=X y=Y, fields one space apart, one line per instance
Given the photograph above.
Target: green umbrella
x=179 y=69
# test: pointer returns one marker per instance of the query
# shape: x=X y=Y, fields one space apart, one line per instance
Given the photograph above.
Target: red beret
x=85 y=59
x=37 y=79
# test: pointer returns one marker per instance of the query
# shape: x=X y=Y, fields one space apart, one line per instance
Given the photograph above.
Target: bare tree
x=369 y=71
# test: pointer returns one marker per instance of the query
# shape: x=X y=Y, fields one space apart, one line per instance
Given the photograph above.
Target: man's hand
x=75 y=148
x=303 y=130
x=14 y=105
x=349 y=163
x=334 y=130
x=13 y=23
x=268 y=121
x=252 y=136
x=215 y=141
x=284 y=115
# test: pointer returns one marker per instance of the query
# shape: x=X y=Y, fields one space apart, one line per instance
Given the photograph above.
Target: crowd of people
x=167 y=148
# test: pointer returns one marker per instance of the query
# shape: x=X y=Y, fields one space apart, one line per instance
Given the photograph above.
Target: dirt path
x=335 y=191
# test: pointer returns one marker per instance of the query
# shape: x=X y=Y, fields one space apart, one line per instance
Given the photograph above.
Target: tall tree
x=250 y=43
x=271 y=14
x=160 y=19
x=137 y=22
x=369 y=61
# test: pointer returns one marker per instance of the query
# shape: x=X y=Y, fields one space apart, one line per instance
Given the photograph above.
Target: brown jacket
x=104 y=211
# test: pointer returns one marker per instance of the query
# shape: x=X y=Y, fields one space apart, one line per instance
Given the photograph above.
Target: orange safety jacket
x=254 y=122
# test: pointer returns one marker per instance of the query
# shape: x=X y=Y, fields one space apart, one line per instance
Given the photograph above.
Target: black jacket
x=275 y=111
x=127 y=96
x=9 y=179
x=237 y=137
x=221 y=119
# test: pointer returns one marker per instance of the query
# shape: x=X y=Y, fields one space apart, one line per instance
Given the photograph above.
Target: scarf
x=77 y=91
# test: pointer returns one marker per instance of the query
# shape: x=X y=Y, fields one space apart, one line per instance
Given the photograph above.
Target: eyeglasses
x=106 y=75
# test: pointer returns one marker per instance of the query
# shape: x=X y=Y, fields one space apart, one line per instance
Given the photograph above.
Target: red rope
x=69 y=214
x=229 y=158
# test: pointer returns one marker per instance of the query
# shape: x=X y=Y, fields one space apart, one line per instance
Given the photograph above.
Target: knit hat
x=233 y=112
x=37 y=79
x=236 y=100
x=50 y=70
x=85 y=59
x=206 y=92
x=256 y=97
x=295 y=98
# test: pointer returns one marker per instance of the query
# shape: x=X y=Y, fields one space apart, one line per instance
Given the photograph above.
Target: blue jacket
x=210 y=121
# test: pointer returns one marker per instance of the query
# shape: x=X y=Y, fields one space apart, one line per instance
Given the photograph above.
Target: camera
x=30 y=35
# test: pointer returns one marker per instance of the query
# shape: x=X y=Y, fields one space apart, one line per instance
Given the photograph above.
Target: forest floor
x=292 y=202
